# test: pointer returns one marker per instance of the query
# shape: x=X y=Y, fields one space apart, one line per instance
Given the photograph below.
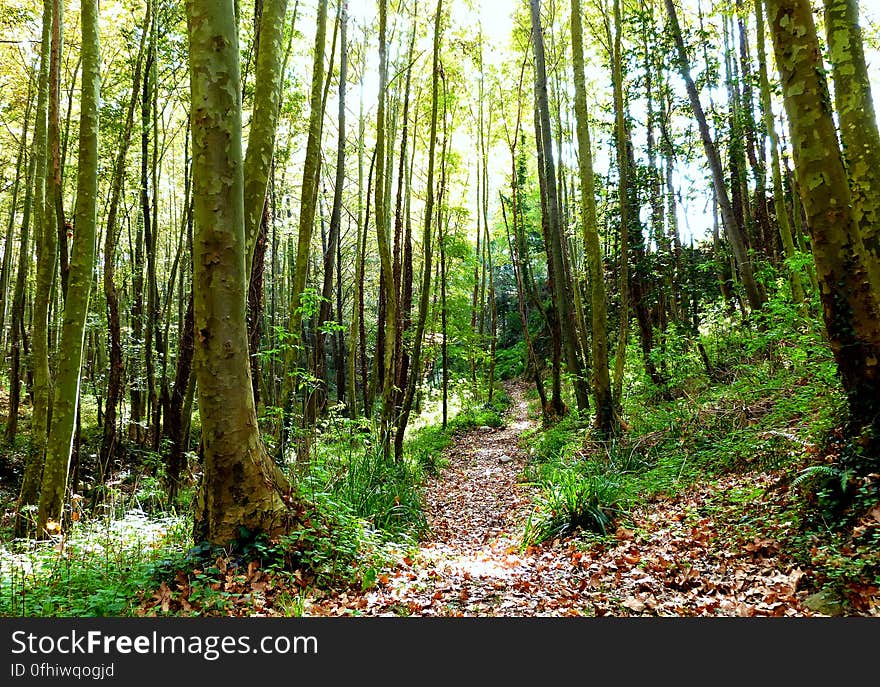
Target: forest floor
x=681 y=555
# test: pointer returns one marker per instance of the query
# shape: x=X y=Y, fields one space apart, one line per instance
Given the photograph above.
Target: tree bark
x=858 y=122
x=554 y=229
x=116 y=371
x=47 y=249
x=848 y=291
x=241 y=487
x=76 y=306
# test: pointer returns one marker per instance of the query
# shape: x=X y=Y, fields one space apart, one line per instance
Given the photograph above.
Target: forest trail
x=674 y=561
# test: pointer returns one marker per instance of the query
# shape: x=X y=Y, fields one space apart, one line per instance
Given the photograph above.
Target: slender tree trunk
x=324 y=314
x=47 y=251
x=357 y=300
x=116 y=371
x=554 y=229
x=264 y=120
x=21 y=275
x=308 y=203
x=782 y=221
x=67 y=388
x=387 y=271
x=604 y=420
x=732 y=228
x=425 y=293
x=176 y=422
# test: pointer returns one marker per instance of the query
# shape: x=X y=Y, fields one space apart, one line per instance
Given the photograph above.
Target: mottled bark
x=241 y=486
x=858 y=122
x=76 y=305
x=848 y=291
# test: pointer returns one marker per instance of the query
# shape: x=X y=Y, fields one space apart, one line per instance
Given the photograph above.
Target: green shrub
x=510 y=362
x=573 y=502
x=383 y=491
x=426 y=448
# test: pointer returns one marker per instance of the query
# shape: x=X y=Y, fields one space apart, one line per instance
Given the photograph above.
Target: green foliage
x=571 y=501
x=510 y=362
x=382 y=490
x=96 y=568
x=426 y=448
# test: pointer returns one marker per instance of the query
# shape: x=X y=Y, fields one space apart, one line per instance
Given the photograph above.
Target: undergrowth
x=132 y=553
x=772 y=404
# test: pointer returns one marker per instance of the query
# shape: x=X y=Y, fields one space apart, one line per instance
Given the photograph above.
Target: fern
x=814 y=473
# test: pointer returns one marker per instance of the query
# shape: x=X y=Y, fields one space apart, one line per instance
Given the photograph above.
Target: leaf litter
x=677 y=556
x=672 y=559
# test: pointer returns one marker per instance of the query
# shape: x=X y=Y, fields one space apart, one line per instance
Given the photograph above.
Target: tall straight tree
x=425 y=293
x=387 y=272
x=335 y=216
x=30 y=484
x=264 y=121
x=590 y=233
x=308 y=203
x=621 y=138
x=858 y=122
x=848 y=291
x=732 y=227
x=21 y=273
x=47 y=255
x=76 y=305
x=554 y=226
x=111 y=295
x=241 y=487
x=782 y=219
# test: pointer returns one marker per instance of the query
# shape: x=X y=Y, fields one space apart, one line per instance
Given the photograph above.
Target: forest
x=439 y=308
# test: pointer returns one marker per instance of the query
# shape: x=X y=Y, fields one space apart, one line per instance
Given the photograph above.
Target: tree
x=858 y=121
x=589 y=230
x=732 y=227
x=308 y=203
x=76 y=305
x=241 y=487
x=847 y=288
x=561 y=288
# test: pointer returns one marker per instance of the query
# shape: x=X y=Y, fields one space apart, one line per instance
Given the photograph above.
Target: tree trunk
x=116 y=369
x=848 y=292
x=76 y=306
x=858 y=122
x=604 y=420
x=21 y=274
x=241 y=487
x=308 y=203
x=782 y=221
x=324 y=313
x=554 y=229
x=425 y=293
x=47 y=248
x=732 y=227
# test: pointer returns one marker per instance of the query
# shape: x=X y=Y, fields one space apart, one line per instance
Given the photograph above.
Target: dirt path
x=673 y=562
